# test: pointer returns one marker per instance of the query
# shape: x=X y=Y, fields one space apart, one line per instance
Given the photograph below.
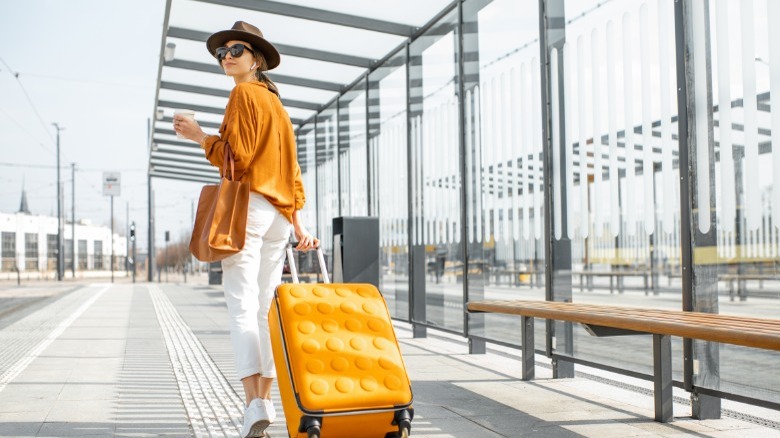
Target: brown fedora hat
x=243 y=31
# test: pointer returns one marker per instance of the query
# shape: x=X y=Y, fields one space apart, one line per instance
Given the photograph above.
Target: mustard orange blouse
x=261 y=136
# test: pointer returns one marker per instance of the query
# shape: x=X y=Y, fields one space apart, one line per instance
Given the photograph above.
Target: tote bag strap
x=228 y=161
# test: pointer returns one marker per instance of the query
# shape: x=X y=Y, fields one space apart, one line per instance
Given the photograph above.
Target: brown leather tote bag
x=220 y=224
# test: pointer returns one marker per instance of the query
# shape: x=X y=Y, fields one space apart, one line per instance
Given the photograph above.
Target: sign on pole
x=111 y=183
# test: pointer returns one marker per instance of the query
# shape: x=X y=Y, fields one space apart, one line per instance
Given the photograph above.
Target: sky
x=90 y=66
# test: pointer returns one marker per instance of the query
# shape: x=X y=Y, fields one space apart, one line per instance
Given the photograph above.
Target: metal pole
x=73 y=216
x=558 y=287
x=134 y=255
x=127 y=238
x=150 y=223
x=112 y=238
x=60 y=255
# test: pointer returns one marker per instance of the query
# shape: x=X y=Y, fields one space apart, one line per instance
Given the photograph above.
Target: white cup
x=184 y=113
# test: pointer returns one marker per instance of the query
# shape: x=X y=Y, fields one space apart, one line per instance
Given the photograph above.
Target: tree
x=176 y=255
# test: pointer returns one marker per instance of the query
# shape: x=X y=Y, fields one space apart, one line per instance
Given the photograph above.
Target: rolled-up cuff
x=248 y=372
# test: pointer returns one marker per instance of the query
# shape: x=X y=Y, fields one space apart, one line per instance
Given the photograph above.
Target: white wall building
x=29 y=244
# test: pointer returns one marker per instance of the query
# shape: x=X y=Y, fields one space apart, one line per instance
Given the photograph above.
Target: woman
x=259 y=132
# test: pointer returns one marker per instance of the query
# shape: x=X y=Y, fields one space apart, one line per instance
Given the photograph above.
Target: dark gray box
x=215 y=272
x=356 y=250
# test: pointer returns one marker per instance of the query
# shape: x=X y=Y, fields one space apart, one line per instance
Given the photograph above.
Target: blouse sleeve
x=239 y=130
x=300 y=195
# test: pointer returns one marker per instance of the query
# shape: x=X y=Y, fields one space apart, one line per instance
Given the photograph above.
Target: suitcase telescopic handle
x=294 y=271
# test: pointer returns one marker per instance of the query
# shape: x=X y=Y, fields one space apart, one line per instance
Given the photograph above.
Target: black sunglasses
x=236 y=50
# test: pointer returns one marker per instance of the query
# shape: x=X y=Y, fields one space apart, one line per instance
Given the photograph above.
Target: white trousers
x=250 y=278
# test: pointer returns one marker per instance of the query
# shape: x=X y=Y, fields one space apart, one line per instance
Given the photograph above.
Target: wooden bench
x=602 y=320
x=619 y=275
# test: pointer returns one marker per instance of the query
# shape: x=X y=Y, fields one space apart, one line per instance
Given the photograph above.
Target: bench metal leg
x=527 y=332
x=662 y=378
x=705 y=407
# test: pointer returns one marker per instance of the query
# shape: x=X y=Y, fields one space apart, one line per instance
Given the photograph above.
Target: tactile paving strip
x=213 y=406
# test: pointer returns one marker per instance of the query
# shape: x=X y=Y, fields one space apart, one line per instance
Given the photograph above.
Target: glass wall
x=503 y=143
x=353 y=150
x=615 y=218
x=388 y=170
x=435 y=164
x=327 y=172
x=736 y=69
x=307 y=150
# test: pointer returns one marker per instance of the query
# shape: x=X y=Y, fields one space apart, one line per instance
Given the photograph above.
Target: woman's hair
x=262 y=76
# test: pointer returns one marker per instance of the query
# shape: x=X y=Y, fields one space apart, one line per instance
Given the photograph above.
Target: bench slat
x=748 y=332
x=720 y=319
x=716 y=320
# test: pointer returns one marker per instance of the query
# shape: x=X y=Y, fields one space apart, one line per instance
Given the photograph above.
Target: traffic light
x=132 y=231
x=167 y=236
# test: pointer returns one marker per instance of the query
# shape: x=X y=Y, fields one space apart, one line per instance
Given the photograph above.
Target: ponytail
x=262 y=76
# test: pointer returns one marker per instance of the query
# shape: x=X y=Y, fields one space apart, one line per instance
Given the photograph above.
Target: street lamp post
x=60 y=255
x=73 y=217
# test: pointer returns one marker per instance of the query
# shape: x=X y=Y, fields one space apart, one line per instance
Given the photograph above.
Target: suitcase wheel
x=313 y=432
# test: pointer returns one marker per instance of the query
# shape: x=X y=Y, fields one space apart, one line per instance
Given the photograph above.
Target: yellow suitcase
x=339 y=367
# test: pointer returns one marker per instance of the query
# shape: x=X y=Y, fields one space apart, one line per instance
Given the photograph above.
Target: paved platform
x=151 y=359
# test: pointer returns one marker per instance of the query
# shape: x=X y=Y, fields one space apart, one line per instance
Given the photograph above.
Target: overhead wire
x=85 y=81
x=29 y=100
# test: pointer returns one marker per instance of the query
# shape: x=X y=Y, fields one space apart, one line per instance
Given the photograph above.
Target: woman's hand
x=305 y=240
x=188 y=128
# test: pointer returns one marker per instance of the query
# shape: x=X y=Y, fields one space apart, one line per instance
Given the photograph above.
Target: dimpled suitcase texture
x=339 y=367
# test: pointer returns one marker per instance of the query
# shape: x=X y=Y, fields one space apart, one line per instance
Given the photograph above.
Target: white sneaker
x=258 y=415
x=269 y=409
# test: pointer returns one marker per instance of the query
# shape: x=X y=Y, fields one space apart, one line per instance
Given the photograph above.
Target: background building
x=29 y=244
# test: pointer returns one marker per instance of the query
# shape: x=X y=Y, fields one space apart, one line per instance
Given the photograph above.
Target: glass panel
x=503 y=159
x=98 y=255
x=68 y=254
x=353 y=161
x=51 y=252
x=8 y=251
x=82 y=254
x=619 y=201
x=307 y=264
x=327 y=179
x=389 y=188
x=436 y=177
x=737 y=85
x=30 y=251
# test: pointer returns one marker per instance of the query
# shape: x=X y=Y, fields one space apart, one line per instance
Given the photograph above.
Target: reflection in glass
x=435 y=175
x=352 y=152
x=736 y=248
x=327 y=178
x=389 y=179
x=615 y=170
x=503 y=141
